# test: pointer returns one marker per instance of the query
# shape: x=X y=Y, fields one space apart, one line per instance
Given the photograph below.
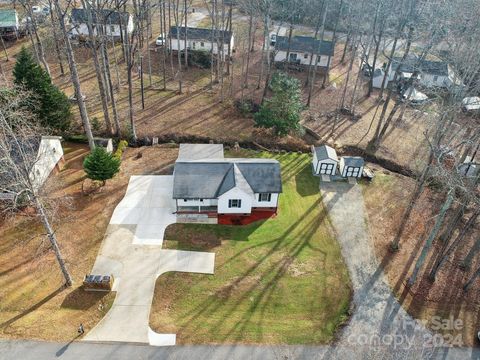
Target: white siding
x=377 y=81
x=111 y=30
x=205 y=45
x=303 y=57
x=271 y=203
x=49 y=154
x=235 y=193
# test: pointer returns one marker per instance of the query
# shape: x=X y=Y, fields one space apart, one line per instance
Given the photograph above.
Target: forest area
x=122 y=86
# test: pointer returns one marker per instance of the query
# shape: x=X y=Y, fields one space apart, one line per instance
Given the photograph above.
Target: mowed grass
x=280 y=281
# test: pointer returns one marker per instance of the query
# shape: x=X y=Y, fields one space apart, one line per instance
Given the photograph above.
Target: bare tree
x=19 y=140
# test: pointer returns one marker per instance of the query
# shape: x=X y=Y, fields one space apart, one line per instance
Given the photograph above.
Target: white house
x=114 y=21
x=351 y=166
x=48 y=154
x=234 y=190
x=200 y=39
x=303 y=49
x=325 y=160
x=430 y=73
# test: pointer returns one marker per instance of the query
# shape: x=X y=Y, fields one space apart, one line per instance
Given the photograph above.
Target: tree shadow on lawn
x=275 y=271
x=79 y=299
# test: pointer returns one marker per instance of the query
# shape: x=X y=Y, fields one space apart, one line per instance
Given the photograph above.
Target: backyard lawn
x=277 y=281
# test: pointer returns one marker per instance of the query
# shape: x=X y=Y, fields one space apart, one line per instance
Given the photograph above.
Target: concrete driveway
x=132 y=252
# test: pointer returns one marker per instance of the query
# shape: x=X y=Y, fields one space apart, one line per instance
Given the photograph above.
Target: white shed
x=106 y=143
x=351 y=166
x=325 y=160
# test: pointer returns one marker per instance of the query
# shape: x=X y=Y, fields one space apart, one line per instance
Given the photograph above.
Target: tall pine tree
x=54 y=106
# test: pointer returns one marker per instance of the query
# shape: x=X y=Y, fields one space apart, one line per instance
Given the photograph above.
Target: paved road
x=32 y=350
x=132 y=252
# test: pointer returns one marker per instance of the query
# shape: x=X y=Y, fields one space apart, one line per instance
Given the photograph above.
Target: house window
x=305 y=56
x=185 y=200
x=112 y=28
x=292 y=57
x=202 y=44
x=435 y=78
x=193 y=45
x=234 y=203
x=326 y=169
x=264 y=197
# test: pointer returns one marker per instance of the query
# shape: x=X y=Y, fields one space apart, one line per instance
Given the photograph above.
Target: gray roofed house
x=200 y=34
x=112 y=17
x=305 y=44
x=206 y=182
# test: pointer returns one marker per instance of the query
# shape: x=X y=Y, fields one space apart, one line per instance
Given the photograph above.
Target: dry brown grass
x=386 y=199
x=33 y=303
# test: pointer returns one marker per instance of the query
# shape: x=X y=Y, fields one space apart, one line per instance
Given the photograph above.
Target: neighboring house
x=115 y=22
x=430 y=73
x=200 y=39
x=469 y=168
x=351 y=166
x=325 y=160
x=9 y=24
x=302 y=49
x=48 y=154
x=232 y=190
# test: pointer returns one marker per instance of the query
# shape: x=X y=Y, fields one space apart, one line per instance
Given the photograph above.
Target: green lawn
x=277 y=281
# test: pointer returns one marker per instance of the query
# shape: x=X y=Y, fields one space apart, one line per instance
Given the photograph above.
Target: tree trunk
x=185 y=11
x=53 y=241
x=74 y=76
x=353 y=55
x=431 y=237
x=96 y=63
x=317 y=55
x=55 y=38
x=250 y=24
x=116 y=118
x=334 y=42
x=469 y=283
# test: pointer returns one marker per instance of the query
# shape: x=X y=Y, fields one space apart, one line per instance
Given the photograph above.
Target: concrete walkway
x=132 y=252
x=377 y=317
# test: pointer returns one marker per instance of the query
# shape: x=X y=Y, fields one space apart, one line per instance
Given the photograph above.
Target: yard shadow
x=79 y=299
x=33 y=307
x=304 y=185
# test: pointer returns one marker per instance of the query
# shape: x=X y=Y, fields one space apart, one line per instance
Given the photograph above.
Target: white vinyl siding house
x=325 y=160
x=303 y=50
x=200 y=39
x=430 y=73
x=115 y=22
x=206 y=182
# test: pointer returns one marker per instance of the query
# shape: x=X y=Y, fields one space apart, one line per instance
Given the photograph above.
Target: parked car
x=471 y=104
x=160 y=41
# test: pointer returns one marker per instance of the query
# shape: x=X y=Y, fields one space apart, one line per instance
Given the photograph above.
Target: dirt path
x=377 y=317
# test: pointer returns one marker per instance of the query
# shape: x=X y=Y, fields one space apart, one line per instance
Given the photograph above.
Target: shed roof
x=326 y=152
x=305 y=44
x=200 y=33
x=210 y=179
x=8 y=17
x=111 y=16
x=354 y=161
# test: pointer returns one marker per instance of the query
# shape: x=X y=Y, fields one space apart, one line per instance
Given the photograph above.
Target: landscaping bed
x=278 y=281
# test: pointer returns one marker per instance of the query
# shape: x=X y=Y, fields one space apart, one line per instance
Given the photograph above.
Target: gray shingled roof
x=413 y=63
x=199 y=33
x=209 y=180
x=326 y=152
x=112 y=17
x=305 y=44
x=354 y=161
